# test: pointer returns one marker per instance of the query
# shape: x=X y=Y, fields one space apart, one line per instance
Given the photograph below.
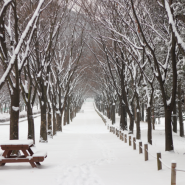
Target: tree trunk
x=54 y=121
x=31 y=127
x=135 y=112
x=71 y=114
x=174 y=118
x=142 y=111
x=113 y=114
x=108 y=111
x=14 y=115
x=153 y=118
x=131 y=126
x=181 y=125
x=43 y=127
x=168 y=130
x=59 y=121
x=49 y=121
x=65 y=116
x=138 y=132
x=68 y=110
x=149 y=125
x=123 y=119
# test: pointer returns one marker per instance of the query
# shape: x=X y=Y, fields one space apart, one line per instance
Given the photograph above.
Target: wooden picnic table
x=25 y=147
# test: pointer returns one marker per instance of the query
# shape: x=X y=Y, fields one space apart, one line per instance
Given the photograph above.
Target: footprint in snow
x=79 y=175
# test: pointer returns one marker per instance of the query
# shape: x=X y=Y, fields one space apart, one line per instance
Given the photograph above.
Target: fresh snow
x=17 y=142
x=86 y=153
x=39 y=153
x=15 y=108
x=171 y=21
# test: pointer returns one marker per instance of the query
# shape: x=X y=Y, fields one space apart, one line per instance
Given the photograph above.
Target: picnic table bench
x=25 y=147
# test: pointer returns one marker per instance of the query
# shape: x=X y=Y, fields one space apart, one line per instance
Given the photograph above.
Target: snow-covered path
x=85 y=153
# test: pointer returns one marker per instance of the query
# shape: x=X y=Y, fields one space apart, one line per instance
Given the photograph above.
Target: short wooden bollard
x=140 y=148
x=146 y=151
x=130 y=142
x=173 y=173
x=159 y=164
x=125 y=138
x=122 y=136
x=134 y=143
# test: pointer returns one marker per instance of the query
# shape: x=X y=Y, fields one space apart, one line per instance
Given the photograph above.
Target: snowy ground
x=86 y=153
x=5 y=117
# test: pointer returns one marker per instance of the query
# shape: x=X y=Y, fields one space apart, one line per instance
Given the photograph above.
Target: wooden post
x=130 y=143
x=125 y=138
x=159 y=164
x=120 y=135
x=134 y=144
x=140 y=147
x=173 y=173
x=146 y=151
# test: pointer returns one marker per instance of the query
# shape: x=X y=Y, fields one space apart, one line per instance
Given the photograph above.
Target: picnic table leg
x=7 y=153
x=30 y=151
x=32 y=164
x=25 y=153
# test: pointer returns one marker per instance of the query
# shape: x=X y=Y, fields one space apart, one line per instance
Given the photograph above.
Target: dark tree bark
x=68 y=110
x=49 y=121
x=153 y=118
x=15 y=95
x=43 y=128
x=149 y=125
x=123 y=118
x=59 y=121
x=142 y=111
x=168 y=130
x=14 y=114
x=174 y=118
x=138 y=130
x=113 y=117
x=65 y=116
x=181 y=125
x=31 y=128
x=54 y=121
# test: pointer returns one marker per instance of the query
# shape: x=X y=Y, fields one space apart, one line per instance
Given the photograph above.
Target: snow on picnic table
x=86 y=153
x=16 y=142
